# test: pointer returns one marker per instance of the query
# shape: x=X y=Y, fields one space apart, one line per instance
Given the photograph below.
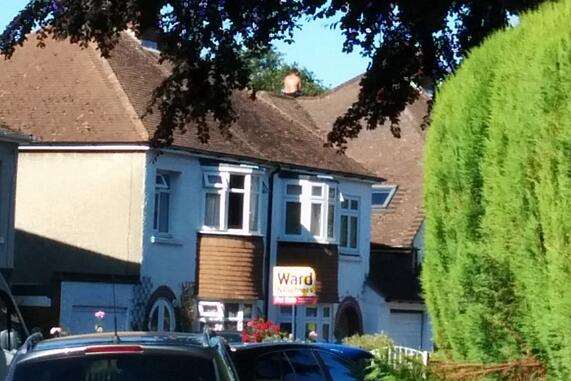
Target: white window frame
x=219 y=316
x=349 y=213
x=319 y=320
x=159 y=189
x=223 y=190
x=391 y=189
x=306 y=199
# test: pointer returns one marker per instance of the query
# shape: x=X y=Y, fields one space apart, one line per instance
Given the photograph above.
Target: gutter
x=267 y=253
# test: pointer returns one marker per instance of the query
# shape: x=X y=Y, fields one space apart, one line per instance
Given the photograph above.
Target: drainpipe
x=267 y=259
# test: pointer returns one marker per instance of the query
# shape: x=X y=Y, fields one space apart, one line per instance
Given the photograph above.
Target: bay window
x=349 y=223
x=309 y=210
x=231 y=201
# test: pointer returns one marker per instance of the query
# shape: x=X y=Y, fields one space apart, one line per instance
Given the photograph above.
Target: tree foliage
x=497 y=268
x=269 y=70
x=408 y=41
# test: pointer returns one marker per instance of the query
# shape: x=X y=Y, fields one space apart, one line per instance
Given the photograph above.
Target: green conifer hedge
x=497 y=271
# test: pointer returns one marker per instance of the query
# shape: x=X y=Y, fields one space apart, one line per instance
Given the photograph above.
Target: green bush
x=497 y=270
x=369 y=342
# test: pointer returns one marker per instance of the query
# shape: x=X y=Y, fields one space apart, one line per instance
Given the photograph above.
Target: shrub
x=369 y=342
x=497 y=268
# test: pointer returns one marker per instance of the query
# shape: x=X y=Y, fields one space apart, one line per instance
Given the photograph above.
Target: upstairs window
x=161 y=216
x=381 y=196
x=349 y=223
x=231 y=201
x=310 y=210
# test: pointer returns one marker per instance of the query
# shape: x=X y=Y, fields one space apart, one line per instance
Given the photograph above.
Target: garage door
x=81 y=300
x=406 y=328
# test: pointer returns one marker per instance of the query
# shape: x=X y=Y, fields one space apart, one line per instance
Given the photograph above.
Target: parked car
x=13 y=331
x=299 y=362
x=129 y=356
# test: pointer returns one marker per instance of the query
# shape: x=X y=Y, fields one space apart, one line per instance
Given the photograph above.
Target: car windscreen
x=119 y=367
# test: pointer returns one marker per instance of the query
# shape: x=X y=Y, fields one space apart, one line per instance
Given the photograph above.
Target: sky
x=316 y=47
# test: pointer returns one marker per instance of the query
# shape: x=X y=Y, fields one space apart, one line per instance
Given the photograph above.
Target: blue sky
x=316 y=47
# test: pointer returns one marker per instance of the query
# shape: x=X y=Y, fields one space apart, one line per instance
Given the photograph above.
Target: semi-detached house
x=178 y=237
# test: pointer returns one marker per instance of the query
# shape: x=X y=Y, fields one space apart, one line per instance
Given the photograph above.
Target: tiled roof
x=62 y=93
x=398 y=161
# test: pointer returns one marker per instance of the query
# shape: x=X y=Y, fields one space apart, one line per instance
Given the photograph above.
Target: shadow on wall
x=37 y=259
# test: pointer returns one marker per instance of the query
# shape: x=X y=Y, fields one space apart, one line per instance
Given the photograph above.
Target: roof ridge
x=110 y=75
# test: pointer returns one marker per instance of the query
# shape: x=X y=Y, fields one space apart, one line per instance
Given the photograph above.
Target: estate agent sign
x=294 y=285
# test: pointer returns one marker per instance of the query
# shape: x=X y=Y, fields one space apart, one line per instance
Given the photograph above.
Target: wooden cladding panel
x=324 y=259
x=230 y=267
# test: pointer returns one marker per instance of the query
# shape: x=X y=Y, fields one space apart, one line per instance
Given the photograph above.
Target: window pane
x=379 y=198
x=293 y=189
x=325 y=334
x=326 y=312
x=237 y=181
x=254 y=211
x=311 y=311
x=285 y=327
x=309 y=328
x=317 y=190
x=156 y=213
x=354 y=232
x=345 y=204
x=268 y=367
x=293 y=217
x=214 y=179
x=164 y=200
x=331 y=221
x=247 y=312
x=255 y=184
x=343 y=232
x=231 y=310
x=212 y=210
x=354 y=204
x=305 y=365
x=235 y=210
x=315 y=226
x=332 y=192
x=339 y=369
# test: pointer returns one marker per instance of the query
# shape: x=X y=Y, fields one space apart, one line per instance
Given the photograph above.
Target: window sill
x=290 y=238
x=230 y=232
x=165 y=240
x=350 y=257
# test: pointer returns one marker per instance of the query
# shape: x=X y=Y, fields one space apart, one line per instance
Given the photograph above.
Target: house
x=181 y=237
x=392 y=293
x=9 y=142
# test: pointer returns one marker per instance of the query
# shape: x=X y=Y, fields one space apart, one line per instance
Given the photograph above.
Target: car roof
x=140 y=338
x=345 y=351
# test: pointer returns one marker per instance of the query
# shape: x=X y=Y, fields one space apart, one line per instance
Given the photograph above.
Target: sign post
x=293 y=286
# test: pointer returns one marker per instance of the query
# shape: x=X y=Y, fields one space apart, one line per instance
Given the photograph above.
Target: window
x=349 y=225
x=310 y=209
x=161 y=318
x=231 y=201
x=305 y=365
x=382 y=196
x=161 y=217
x=227 y=316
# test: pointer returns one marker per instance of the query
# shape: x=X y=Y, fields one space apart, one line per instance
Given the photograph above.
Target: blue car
x=299 y=362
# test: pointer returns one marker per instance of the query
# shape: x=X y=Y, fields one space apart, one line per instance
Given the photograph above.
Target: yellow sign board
x=293 y=285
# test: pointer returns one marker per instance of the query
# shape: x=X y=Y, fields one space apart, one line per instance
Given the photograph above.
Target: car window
x=340 y=369
x=125 y=367
x=272 y=367
x=305 y=366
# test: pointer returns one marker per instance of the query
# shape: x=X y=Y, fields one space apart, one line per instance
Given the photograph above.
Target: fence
x=397 y=354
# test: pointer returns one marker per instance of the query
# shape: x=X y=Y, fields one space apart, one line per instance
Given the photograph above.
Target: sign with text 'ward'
x=294 y=285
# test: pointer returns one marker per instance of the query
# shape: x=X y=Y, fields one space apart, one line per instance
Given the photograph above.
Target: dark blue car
x=299 y=362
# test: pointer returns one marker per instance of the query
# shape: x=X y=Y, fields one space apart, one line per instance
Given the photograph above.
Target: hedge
x=497 y=271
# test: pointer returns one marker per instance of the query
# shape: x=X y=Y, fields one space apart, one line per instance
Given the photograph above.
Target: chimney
x=292 y=84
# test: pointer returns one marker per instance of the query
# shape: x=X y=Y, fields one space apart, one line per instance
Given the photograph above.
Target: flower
x=100 y=315
x=56 y=331
x=312 y=336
